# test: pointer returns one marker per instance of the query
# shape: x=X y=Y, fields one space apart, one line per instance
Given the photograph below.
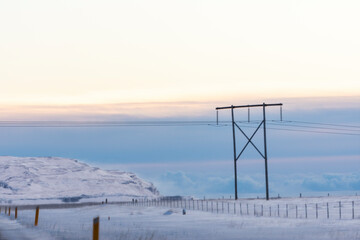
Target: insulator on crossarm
x=217 y=117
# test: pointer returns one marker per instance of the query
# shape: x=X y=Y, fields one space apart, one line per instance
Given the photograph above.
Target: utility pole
x=234 y=143
x=262 y=123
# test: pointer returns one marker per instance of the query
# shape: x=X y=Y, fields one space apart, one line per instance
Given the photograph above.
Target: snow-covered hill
x=65 y=179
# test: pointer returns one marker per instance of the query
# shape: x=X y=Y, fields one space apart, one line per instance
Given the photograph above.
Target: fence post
x=234 y=208
x=287 y=211
x=278 y=210
x=353 y=211
x=15 y=212
x=96 y=223
x=270 y=211
x=217 y=207
x=222 y=206
x=240 y=209
x=316 y=207
x=36 y=216
x=305 y=210
x=228 y=207
x=254 y=209
x=296 y=211
x=327 y=210
x=247 y=209
x=9 y=210
x=212 y=206
x=262 y=210
x=340 y=209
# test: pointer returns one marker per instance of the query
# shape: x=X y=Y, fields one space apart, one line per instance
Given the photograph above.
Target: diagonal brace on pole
x=249 y=140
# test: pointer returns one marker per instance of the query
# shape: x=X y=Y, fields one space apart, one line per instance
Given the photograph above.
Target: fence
x=320 y=210
x=303 y=210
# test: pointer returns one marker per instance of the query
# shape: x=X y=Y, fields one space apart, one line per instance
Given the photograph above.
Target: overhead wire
x=327 y=124
x=294 y=126
x=316 y=127
x=307 y=131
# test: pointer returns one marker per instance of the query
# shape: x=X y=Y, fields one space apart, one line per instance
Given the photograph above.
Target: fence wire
x=316 y=210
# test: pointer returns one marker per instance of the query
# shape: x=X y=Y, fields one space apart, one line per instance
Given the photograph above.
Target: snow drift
x=24 y=178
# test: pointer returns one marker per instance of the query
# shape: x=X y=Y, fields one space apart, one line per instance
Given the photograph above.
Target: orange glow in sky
x=104 y=52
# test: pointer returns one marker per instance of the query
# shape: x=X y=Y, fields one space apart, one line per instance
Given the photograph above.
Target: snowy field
x=160 y=221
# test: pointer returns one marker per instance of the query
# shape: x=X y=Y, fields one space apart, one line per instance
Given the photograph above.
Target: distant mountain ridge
x=68 y=179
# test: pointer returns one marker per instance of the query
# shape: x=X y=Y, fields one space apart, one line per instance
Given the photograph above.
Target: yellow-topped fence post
x=96 y=223
x=36 y=216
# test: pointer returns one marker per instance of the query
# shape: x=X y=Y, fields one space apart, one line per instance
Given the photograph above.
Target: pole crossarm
x=249 y=140
x=249 y=106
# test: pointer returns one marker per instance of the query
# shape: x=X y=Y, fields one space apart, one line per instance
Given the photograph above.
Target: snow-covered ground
x=65 y=185
x=164 y=222
x=44 y=179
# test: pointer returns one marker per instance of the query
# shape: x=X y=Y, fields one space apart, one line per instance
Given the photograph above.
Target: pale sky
x=86 y=52
x=113 y=59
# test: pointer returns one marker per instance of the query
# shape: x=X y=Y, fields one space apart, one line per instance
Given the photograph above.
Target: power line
x=316 y=127
x=337 y=132
x=246 y=124
x=304 y=122
x=101 y=123
x=308 y=131
x=317 y=123
x=159 y=122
